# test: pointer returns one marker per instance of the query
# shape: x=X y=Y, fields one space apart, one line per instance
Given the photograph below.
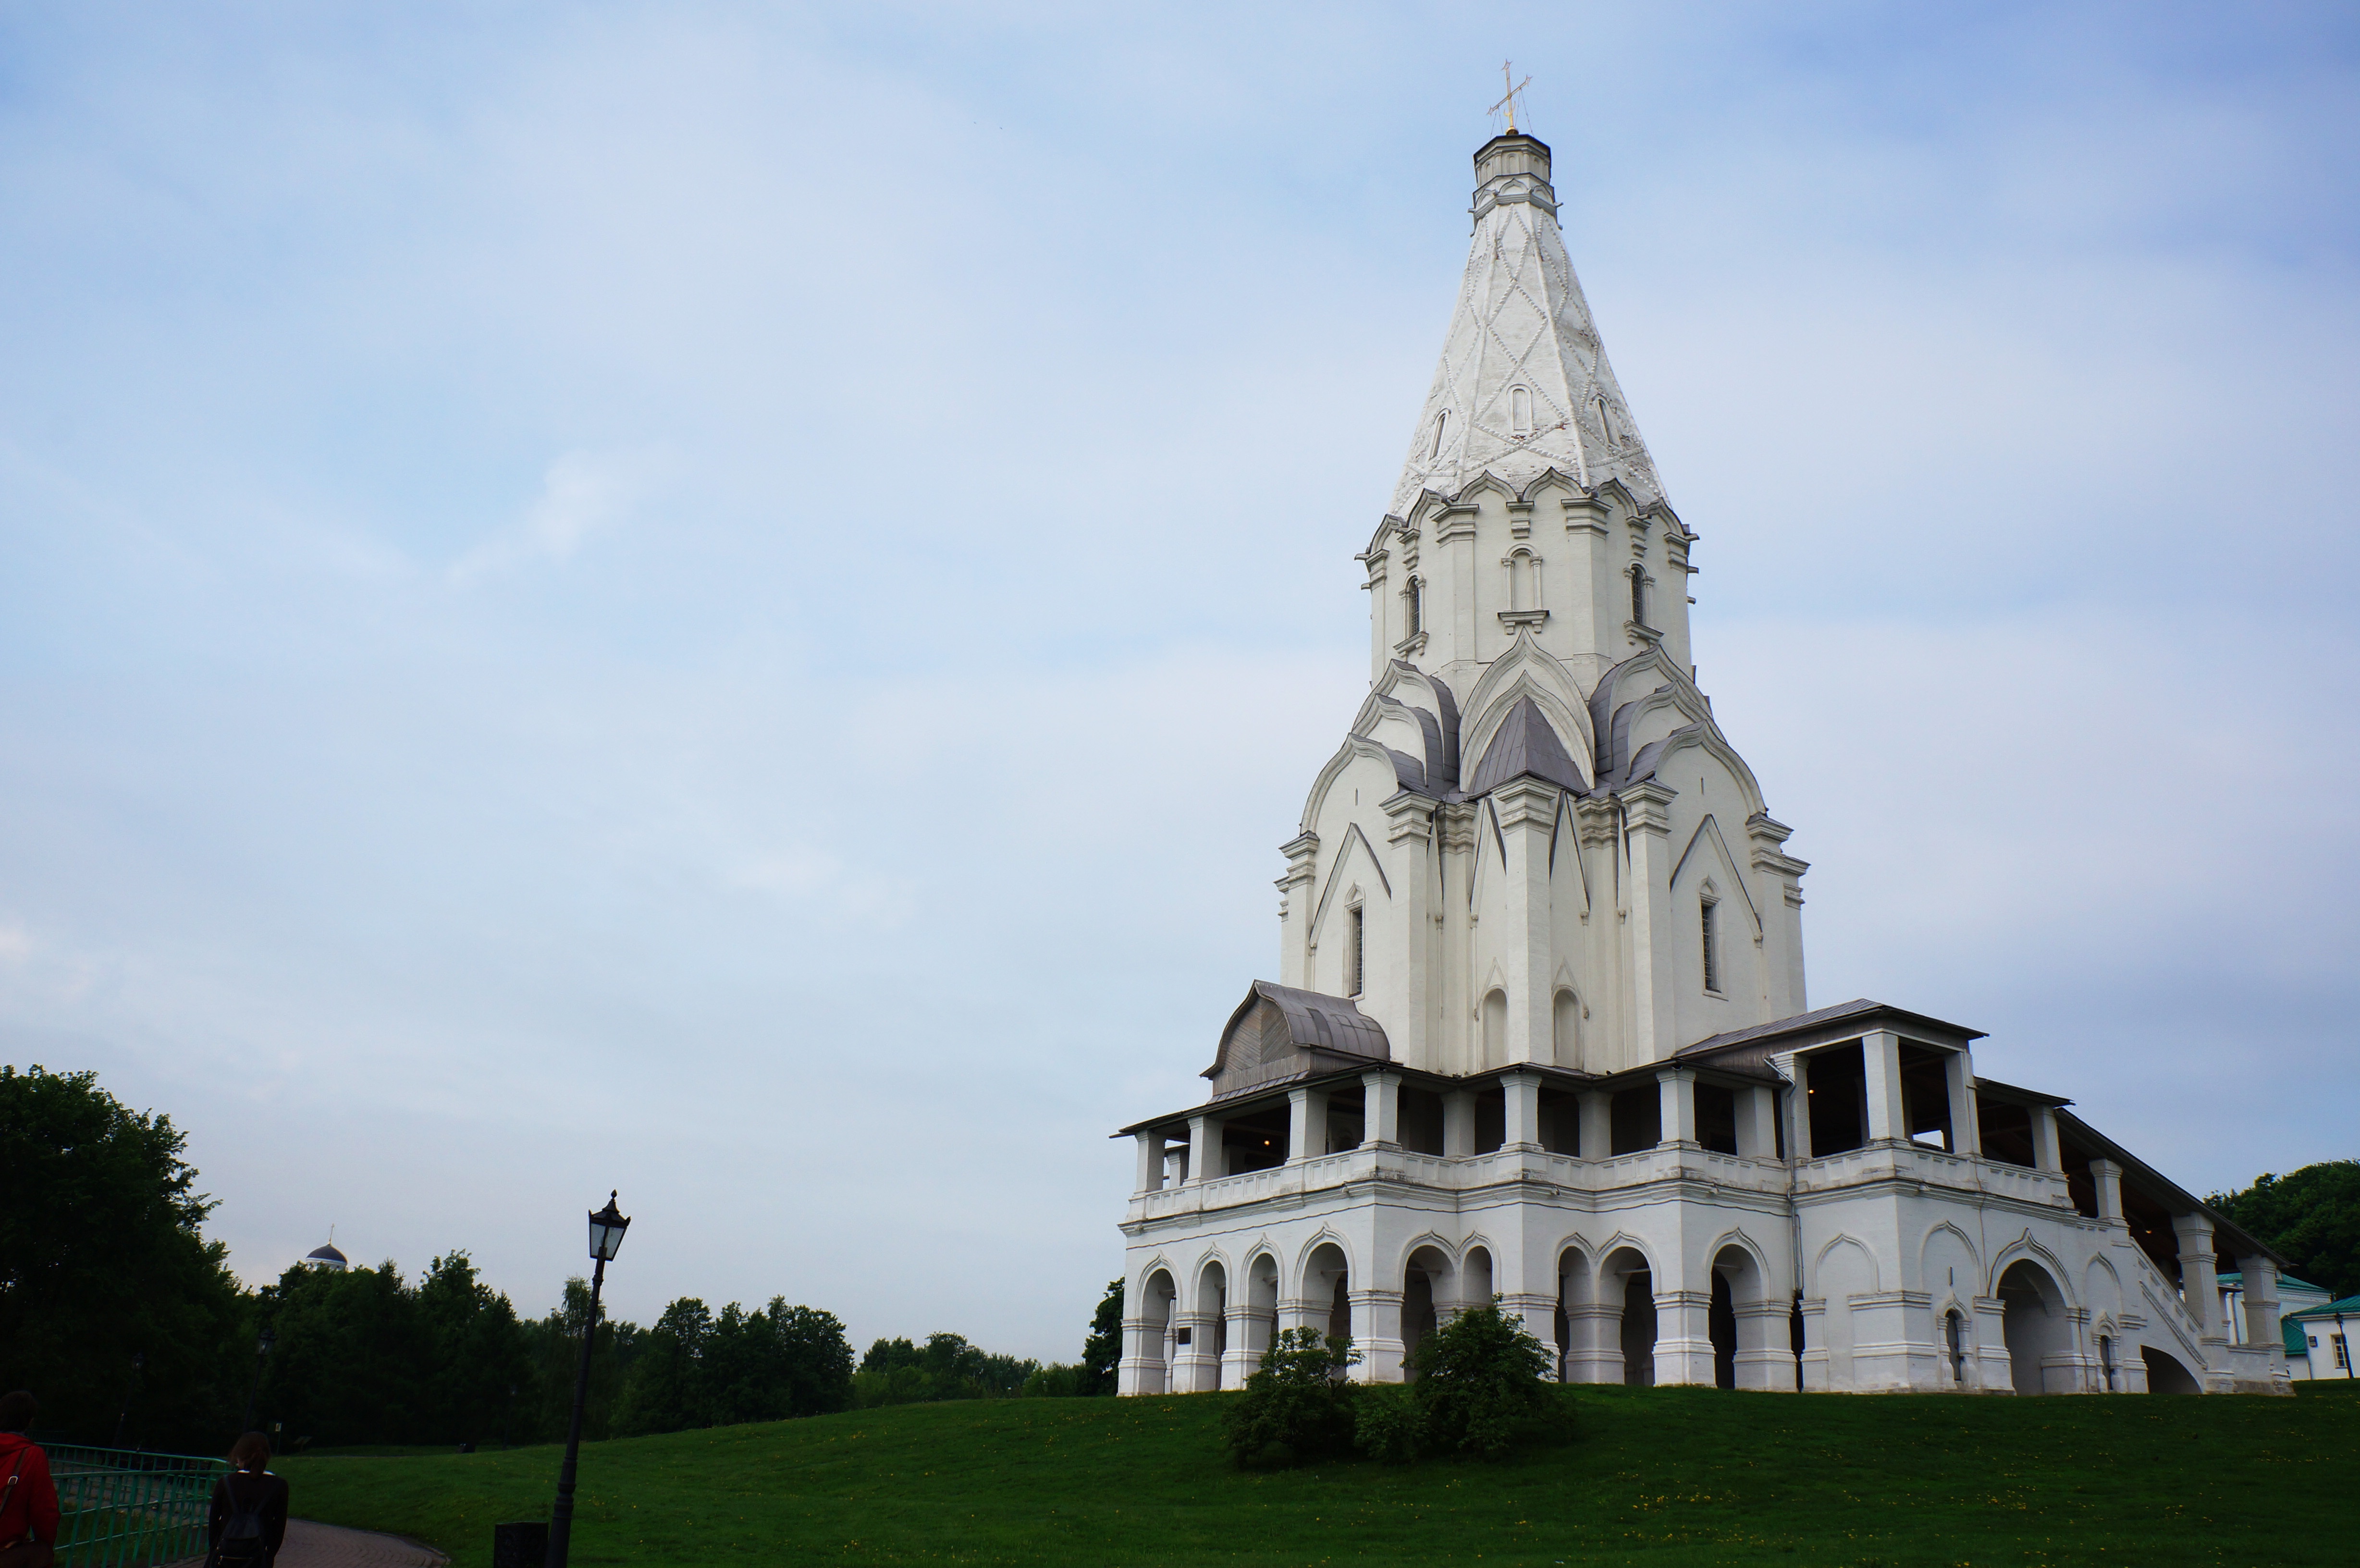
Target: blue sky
x=732 y=602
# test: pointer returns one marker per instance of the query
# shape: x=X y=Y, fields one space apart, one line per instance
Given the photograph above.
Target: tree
x=818 y=1359
x=2310 y=1217
x=478 y=1351
x=896 y=1372
x=1296 y=1409
x=693 y=1369
x=555 y=1346
x=666 y=1389
x=1102 y=1351
x=102 y=1258
x=1482 y=1384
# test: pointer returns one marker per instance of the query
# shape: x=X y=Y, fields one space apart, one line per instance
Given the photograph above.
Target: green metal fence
x=119 y=1509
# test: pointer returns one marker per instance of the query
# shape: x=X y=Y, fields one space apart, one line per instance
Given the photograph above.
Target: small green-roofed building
x=2320 y=1341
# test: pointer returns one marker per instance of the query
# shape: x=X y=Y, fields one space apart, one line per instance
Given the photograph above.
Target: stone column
x=1815 y=1344
x=1966 y=1133
x=1151 y=1162
x=1410 y=831
x=2107 y=1177
x=1195 y=1368
x=1526 y=811
x=1597 y=1125
x=2047 y=1153
x=1798 y=1133
x=1683 y=1337
x=1677 y=1088
x=1381 y=1115
x=1523 y=1093
x=1294 y=909
x=1206 y=1161
x=2259 y=1278
x=1306 y=1124
x=1987 y=1361
x=1142 y=1369
x=1536 y=1311
x=1765 y=1355
x=1652 y=928
x=1879 y=1055
x=1248 y=1337
x=1757 y=1123
x=1458 y=1124
x=1303 y=1311
x=2200 y=1276
x=1376 y=1334
x=1595 y=1352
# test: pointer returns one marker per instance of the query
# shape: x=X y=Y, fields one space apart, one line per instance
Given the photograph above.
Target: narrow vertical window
x=1520 y=409
x=1951 y=1333
x=1414 y=609
x=1441 y=421
x=1639 y=595
x=1712 y=908
x=1355 y=950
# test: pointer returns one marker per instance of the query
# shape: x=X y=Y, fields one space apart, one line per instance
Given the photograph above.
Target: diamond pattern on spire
x=1523 y=385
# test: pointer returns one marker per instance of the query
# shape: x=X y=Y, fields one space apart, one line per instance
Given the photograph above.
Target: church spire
x=1523 y=386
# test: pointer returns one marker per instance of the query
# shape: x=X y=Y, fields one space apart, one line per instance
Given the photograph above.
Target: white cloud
x=582 y=494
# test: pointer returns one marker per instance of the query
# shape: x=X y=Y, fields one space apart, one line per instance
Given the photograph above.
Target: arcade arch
x=2039 y=1329
x=1156 y=1296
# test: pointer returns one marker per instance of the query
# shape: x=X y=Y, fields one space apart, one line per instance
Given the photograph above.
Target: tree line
x=131 y=1329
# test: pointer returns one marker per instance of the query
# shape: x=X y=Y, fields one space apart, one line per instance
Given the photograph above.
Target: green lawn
x=1656 y=1477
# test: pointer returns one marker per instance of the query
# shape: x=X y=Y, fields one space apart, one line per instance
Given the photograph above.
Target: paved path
x=312 y=1545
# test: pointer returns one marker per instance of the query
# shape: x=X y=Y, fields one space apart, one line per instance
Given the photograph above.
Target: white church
x=1539 y=1029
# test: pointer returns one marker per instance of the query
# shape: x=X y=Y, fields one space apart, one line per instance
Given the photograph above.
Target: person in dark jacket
x=28 y=1499
x=249 y=1489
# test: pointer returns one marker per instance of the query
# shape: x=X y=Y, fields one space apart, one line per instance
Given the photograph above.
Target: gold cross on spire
x=1507 y=103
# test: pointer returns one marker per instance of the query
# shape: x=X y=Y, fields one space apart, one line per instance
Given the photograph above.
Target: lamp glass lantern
x=606 y=1228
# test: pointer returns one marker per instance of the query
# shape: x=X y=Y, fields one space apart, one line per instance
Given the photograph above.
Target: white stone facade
x=1540 y=1030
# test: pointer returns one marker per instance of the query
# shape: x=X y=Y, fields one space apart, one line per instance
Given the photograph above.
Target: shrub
x=1297 y=1407
x=1387 y=1425
x=1055 y=1381
x=1482 y=1383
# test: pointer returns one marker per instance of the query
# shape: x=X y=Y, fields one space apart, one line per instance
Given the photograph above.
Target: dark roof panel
x=1525 y=744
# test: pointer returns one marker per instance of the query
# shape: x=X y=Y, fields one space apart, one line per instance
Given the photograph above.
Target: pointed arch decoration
x=1709 y=829
x=1336 y=877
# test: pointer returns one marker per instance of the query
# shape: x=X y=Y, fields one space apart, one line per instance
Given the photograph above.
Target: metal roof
x=1860 y=1008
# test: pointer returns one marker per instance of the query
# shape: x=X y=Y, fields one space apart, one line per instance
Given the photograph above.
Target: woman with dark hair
x=28 y=1499
x=249 y=1513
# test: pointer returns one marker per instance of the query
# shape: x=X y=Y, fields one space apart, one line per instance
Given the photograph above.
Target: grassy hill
x=1657 y=1476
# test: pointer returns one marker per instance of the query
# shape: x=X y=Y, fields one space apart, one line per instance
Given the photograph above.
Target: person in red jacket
x=28 y=1499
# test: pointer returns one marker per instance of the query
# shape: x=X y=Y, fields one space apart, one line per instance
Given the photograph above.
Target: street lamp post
x=138 y=1360
x=606 y=1228
x=261 y=1356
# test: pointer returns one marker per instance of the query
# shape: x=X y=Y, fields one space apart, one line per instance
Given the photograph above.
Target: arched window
x=1712 y=908
x=1523 y=579
x=1495 y=1028
x=1565 y=1029
x=1639 y=595
x=2105 y=1358
x=1607 y=423
x=1414 y=607
x=1520 y=409
x=1356 y=932
x=1441 y=422
x=1954 y=1338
